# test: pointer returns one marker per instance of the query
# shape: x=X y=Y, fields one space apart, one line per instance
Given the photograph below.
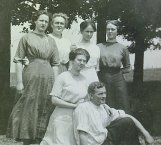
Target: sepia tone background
x=140 y=23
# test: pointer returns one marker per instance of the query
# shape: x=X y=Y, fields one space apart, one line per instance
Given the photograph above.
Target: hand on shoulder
x=19 y=88
x=73 y=47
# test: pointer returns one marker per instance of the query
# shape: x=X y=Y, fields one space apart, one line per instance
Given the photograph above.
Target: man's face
x=99 y=97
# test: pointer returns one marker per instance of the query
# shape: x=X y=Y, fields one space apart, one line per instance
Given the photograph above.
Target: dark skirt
x=117 y=95
x=30 y=115
x=122 y=132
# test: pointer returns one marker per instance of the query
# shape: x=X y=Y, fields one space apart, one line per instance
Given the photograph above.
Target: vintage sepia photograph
x=80 y=72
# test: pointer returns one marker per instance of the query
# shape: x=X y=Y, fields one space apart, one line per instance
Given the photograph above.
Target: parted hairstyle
x=93 y=86
x=79 y=51
x=36 y=15
x=61 y=15
x=114 y=22
x=87 y=23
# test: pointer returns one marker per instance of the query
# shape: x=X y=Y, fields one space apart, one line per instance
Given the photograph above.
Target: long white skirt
x=60 y=128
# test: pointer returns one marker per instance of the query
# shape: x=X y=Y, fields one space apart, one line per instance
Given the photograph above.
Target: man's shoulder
x=83 y=106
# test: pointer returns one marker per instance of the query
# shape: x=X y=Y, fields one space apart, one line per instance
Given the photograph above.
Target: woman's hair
x=79 y=51
x=36 y=15
x=61 y=15
x=87 y=23
x=93 y=86
x=114 y=22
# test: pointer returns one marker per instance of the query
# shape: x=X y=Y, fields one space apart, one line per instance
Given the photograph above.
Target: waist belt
x=44 y=61
x=110 y=70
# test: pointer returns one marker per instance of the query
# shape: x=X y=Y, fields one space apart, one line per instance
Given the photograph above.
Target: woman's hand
x=61 y=103
x=125 y=70
x=80 y=101
x=19 y=88
x=73 y=47
x=148 y=138
x=25 y=61
x=107 y=108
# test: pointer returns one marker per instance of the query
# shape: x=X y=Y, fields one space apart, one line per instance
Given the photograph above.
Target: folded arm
x=61 y=103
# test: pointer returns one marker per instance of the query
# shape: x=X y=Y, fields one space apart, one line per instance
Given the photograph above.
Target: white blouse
x=94 y=52
x=63 y=46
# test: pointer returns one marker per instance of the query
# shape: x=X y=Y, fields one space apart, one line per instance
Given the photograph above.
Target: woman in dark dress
x=29 y=117
x=113 y=55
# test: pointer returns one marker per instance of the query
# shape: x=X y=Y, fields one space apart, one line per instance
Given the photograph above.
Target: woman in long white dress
x=58 y=24
x=70 y=89
x=87 y=29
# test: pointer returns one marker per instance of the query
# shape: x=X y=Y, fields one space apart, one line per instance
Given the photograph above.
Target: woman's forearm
x=61 y=103
x=141 y=128
x=19 y=69
x=125 y=70
x=56 y=71
x=138 y=124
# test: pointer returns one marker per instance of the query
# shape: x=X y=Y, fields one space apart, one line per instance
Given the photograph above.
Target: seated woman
x=70 y=88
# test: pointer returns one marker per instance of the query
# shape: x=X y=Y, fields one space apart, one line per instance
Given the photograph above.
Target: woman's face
x=58 y=25
x=42 y=23
x=79 y=62
x=111 y=31
x=87 y=33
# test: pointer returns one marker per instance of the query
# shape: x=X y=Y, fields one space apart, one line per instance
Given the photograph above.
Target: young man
x=96 y=123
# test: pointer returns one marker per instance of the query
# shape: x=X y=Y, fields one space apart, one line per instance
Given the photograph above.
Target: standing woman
x=113 y=56
x=70 y=89
x=87 y=29
x=29 y=117
x=59 y=23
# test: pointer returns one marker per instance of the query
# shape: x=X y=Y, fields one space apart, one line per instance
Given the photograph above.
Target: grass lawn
x=147 y=108
x=149 y=75
x=5 y=141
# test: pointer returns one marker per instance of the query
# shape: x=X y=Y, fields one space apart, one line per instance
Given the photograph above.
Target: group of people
x=64 y=87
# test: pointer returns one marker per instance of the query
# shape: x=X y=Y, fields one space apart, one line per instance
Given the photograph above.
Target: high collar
x=57 y=35
x=108 y=43
x=111 y=41
x=40 y=34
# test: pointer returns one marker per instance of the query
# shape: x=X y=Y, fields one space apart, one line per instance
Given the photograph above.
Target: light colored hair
x=64 y=16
